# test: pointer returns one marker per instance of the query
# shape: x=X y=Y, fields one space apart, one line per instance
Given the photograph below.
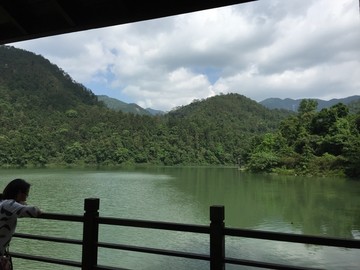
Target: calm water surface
x=317 y=206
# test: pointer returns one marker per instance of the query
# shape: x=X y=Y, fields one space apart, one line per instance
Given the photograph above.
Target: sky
x=264 y=49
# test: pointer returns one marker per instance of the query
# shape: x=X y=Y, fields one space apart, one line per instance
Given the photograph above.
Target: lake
x=316 y=206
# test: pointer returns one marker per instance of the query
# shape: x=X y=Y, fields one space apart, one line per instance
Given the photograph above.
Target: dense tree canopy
x=317 y=143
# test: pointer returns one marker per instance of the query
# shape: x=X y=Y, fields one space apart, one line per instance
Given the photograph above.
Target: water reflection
x=316 y=206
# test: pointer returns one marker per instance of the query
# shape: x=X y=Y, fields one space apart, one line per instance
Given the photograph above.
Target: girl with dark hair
x=12 y=206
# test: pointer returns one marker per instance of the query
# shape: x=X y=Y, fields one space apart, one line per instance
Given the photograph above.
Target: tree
x=262 y=161
x=307 y=106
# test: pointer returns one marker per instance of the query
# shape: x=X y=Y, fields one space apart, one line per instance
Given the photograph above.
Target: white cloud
x=170 y=90
x=272 y=48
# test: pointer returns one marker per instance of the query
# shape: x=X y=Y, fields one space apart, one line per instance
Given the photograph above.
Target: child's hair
x=14 y=187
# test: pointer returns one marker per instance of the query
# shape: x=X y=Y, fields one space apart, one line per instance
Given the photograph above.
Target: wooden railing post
x=217 y=238
x=90 y=234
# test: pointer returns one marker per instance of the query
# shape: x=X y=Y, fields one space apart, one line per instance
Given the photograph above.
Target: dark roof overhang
x=29 y=19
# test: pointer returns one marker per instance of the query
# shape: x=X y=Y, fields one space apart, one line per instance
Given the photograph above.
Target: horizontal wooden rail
x=103 y=267
x=48 y=238
x=164 y=252
x=45 y=259
x=266 y=265
x=63 y=217
x=154 y=225
x=294 y=238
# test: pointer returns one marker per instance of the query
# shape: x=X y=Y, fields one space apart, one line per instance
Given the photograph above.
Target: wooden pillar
x=217 y=238
x=90 y=234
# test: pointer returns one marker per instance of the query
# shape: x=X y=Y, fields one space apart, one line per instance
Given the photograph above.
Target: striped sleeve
x=21 y=210
x=28 y=211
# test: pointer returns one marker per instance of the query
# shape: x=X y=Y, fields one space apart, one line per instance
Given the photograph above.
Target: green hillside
x=220 y=128
x=48 y=119
x=34 y=82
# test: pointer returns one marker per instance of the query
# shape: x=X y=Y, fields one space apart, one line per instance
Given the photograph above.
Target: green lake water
x=315 y=206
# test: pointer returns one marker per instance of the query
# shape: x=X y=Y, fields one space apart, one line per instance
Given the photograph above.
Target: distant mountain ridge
x=118 y=105
x=270 y=103
x=44 y=85
x=293 y=104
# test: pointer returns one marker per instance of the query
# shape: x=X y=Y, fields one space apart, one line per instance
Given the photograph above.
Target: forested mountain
x=293 y=104
x=46 y=118
x=118 y=105
x=218 y=130
x=31 y=80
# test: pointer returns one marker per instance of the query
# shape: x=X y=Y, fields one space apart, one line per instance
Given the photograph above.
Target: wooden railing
x=216 y=231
